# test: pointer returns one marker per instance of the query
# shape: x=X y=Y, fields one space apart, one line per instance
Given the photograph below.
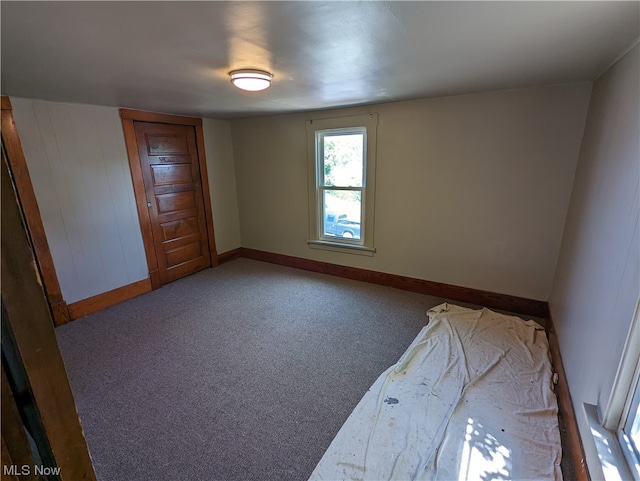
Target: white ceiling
x=175 y=57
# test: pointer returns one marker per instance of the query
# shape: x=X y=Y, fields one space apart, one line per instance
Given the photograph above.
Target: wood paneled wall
x=80 y=173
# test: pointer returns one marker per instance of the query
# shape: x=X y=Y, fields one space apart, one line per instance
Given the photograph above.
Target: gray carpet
x=243 y=372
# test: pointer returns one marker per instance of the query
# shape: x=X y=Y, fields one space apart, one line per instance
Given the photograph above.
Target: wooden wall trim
x=229 y=255
x=141 y=201
x=204 y=180
x=565 y=405
x=31 y=211
x=14 y=437
x=29 y=327
x=6 y=103
x=492 y=300
x=107 y=299
x=143 y=116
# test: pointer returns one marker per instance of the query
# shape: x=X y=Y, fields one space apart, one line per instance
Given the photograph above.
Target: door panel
x=176 y=202
x=182 y=254
x=179 y=228
x=158 y=144
x=171 y=174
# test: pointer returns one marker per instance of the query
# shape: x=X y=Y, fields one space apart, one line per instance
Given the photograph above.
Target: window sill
x=339 y=247
x=612 y=459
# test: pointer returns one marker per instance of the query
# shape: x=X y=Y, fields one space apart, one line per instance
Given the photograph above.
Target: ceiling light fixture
x=250 y=79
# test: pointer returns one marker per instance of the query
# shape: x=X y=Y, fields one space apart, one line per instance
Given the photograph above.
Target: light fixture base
x=252 y=80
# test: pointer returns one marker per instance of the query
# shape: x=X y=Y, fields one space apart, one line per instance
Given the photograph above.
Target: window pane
x=635 y=430
x=632 y=426
x=343 y=159
x=342 y=213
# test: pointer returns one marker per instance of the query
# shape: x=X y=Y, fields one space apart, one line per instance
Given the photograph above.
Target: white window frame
x=621 y=402
x=620 y=406
x=316 y=130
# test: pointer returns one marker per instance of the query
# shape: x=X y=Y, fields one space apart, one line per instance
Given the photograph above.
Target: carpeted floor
x=243 y=372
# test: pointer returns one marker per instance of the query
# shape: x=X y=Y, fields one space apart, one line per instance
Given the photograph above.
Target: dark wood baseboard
x=229 y=255
x=108 y=299
x=492 y=300
x=60 y=312
x=565 y=405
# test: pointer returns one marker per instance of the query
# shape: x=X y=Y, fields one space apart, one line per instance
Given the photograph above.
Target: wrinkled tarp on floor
x=470 y=399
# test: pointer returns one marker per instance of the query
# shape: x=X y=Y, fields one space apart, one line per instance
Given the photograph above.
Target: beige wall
x=222 y=183
x=79 y=169
x=471 y=190
x=78 y=165
x=597 y=282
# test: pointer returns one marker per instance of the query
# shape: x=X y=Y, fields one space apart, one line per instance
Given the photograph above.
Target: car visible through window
x=341 y=226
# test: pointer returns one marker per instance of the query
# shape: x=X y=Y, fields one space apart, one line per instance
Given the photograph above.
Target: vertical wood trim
x=17 y=164
x=141 y=201
x=6 y=460
x=13 y=434
x=128 y=116
x=30 y=326
x=204 y=179
x=565 y=405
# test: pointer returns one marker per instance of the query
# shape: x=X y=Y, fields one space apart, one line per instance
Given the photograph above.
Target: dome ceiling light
x=251 y=79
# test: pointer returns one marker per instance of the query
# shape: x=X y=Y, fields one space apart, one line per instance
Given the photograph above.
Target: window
x=618 y=437
x=342 y=156
x=626 y=394
x=629 y=432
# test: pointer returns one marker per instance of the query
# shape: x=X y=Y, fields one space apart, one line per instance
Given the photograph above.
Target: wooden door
x=171 y=173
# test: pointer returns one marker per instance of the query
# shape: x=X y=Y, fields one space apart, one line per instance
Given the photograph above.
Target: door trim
x=128 y=117
x=29 y=204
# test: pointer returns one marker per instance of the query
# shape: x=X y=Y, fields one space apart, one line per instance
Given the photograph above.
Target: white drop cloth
x=470 y=399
